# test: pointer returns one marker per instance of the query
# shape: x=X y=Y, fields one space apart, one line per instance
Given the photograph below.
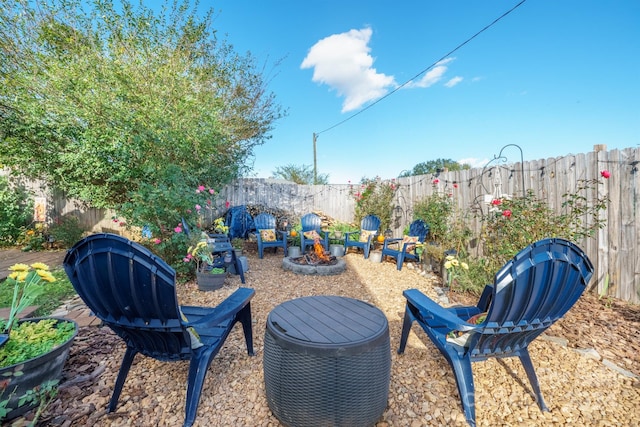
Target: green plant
x=217 y=270
x=374 y=197
x=16 y=207
x=237 y=243
x=66 y=230
x=27 y=283
x=219 y=226
x=454 y=269
x=512 y=224
x=31 y=339
x=201 y=254
x=436 y=210
x=56 y=293
x=32 y=239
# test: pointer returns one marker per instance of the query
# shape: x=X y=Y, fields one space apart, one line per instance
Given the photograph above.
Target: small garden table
x=327 y=361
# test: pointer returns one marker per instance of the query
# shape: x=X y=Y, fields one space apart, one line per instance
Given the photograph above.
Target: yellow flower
x=46 y=276
x=22 y=276
x=39 y=266
x=448 y=264
x=19 y=267
x=464 y=265
x=14 y=275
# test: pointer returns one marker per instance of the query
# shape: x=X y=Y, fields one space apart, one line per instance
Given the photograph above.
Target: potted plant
x=208 y=276
x=238 y=246
x=33 y=351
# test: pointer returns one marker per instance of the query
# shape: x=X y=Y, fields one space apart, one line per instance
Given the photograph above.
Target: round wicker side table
x=327 y=362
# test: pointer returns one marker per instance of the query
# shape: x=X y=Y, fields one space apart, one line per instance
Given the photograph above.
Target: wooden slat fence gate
x=614 y=250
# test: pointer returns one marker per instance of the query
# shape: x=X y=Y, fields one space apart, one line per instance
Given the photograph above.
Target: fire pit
x=315 y=262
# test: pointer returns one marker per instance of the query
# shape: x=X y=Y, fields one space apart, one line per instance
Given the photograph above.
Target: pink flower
x=178 y=229
x=188 y=210
x=185 y=259
x=157 y=241
x=605 y=174
x=212 y=191
x=227 y=204
x=198 y=207
x=506 y=213
x=201 y=188
x=496 y=202
x=436 y=181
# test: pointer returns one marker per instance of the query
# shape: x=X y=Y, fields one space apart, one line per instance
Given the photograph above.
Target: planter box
x=210 y=282
x=25 y=376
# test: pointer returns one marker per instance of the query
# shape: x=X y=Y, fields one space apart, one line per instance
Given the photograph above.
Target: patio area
x=578 y=389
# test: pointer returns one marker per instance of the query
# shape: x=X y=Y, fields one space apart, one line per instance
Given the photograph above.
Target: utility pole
x=315 y=160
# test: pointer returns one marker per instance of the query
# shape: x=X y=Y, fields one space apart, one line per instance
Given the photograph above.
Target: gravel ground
x=577 y=389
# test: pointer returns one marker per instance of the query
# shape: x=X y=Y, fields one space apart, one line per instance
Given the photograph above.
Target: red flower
x=496 y=202
x=227 y=204
x=506 y=213
x=436 y=181
x=455 y=185
x=605 y=174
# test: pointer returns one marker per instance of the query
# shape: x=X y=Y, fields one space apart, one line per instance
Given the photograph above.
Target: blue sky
x=554 y=77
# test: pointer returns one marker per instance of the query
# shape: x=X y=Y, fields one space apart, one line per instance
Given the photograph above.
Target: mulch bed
x=577 y=389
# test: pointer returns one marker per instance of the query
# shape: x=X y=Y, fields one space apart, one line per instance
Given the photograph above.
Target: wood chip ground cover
x=577 y=389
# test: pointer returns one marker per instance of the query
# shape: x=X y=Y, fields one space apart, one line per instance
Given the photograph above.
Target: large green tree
x=119 y=105
x=300 y=174
x=434 y=166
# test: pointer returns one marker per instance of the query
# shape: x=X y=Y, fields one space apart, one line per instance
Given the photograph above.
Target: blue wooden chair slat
x=133 y=292
x=369 y=223
x=530 y=292
x=419 y=229
x=265 y=221
x=312 y=222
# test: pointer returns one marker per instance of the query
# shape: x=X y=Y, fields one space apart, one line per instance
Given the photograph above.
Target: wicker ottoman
x=327 y=362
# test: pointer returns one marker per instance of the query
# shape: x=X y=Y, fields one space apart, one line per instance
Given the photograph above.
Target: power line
x=423 y=71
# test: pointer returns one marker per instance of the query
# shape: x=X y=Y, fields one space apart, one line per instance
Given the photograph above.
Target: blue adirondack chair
x=533 y=290
x=368 y=229
x=402 y=249
x=133 y=292
x=310 y=223
x=266 y=231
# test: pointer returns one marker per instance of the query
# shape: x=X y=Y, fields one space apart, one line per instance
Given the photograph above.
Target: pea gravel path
x=578 y=389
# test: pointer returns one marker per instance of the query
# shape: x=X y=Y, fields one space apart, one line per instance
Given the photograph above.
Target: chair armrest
x=434 y=314
x=392 y=242
x=348 y=233
x=225 y=310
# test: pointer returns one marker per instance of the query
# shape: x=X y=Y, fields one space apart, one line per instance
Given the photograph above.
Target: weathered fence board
x=614 y=250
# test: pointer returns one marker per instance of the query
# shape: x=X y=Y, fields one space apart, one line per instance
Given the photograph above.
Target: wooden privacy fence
x=614 y=251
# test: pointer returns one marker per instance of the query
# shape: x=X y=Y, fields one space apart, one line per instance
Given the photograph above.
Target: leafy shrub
x=374 y=197
x=66 y=230
x=32 y=239
x=16 y=207
x=447 y=226
x=513 y=224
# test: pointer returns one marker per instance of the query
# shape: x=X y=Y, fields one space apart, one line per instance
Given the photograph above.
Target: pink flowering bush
x=374 y=197
x=161 y=210
x=513 y=224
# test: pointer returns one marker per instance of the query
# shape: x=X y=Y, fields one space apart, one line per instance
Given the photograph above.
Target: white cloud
x=473 y=162
x=454 y=81
x=343 y=62
x=432 y=76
